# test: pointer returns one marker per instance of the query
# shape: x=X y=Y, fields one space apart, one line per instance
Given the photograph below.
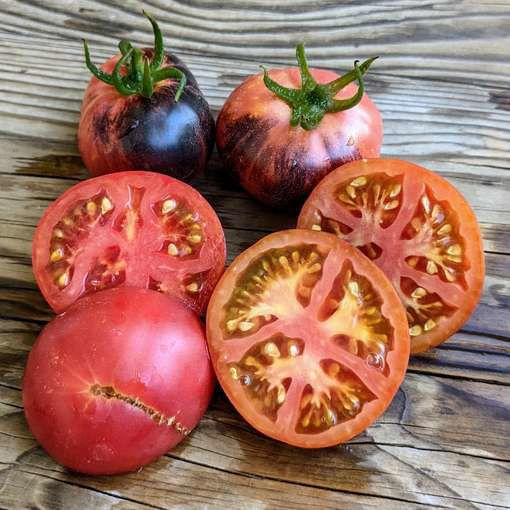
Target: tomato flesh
x=307 y=337
x=134 y=228
x=417 y=228
x=107 y=386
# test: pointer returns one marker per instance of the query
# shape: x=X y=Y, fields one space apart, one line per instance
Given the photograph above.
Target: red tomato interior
x=308 y=338
x=136 y=229
x=417 y=228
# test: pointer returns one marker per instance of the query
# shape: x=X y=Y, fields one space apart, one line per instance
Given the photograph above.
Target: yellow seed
x=295 y=256
x=431 y=267
x=436 y=210
x=172 y=249
x=430 y=324
x=281 y=395
x=415 y=330
x=57 y=255
x=376 y=190
x=245 y=326
x=251 y=362
x=454 y=258
x=395 y=190
x=192 y=287
x=232 y=325
x=419 y=292
x=425 y=202
x=450 y=274
x=306 y=420
x=454 y=249
x=351 y=192
x=333 y=369
x=268 y=317
x=168 y=205
x=354 y=288
x=91 y=208
x=284 y=261
x=106 y=205
x=316 y=227
x=371 y=310
x=271 y=349
x=58 y=233
x=413 y=261
x=186 y=219
x=234 y=373
x=445 y=229
x=194 y=238
x=305 y=400
x=359 y=181
x=186 y=249
x=63 y=280
x=345 y=198
x=329 y=417
x=293 y=348
x=391 y=205
x=196 y=226
x=314 y=268
x=313 y=256
x=68 y=221
x=416 y=224
x=266 y=265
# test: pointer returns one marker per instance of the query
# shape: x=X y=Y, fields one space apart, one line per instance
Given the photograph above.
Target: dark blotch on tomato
x=119 y=133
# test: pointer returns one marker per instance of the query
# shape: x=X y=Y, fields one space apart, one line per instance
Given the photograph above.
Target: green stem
x=307 y=81
x=148 y=84
x=343 y=81
x=100 y=75
x=172 y=72
x=287 y=95
x=159 y=52
x=339 y=105
x=118 y=82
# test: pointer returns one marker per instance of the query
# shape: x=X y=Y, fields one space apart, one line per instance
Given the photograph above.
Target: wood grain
x=442 y=86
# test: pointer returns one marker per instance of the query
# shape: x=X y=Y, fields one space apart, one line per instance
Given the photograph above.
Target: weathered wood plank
x=336 y=32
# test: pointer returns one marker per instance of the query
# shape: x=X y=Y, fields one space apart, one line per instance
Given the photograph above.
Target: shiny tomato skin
x=455 y=225
x=129 y=342
x=280 y=164
x=304 y=325
x=119 y=133
x=126 y=240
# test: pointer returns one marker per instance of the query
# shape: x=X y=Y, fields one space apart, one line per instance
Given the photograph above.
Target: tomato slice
x=308 y=338
x=137 y=229
x=417 y=228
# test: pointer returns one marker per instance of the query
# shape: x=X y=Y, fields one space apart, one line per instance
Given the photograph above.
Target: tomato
x=136 y=229
x=118 y=380
x=151 y=118
x=280 y=140
x=308 y=338
x=417 y=228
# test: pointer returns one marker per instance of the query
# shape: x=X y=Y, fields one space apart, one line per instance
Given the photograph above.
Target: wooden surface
x=443 y=86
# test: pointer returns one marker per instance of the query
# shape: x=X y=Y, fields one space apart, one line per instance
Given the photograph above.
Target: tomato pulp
x=137 y=229
x=118 y=380
x=308 y=338
x=417 y=228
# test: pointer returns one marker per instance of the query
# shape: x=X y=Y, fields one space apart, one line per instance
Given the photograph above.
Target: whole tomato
x=117 y=380
x=281 y=132
x=143 y=110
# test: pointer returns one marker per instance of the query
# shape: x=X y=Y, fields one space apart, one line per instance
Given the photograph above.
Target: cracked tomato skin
x=279 y=164
x=138 y=229
x=135 y=342
x=417 y=228
x=308 y=338
x=119 y=133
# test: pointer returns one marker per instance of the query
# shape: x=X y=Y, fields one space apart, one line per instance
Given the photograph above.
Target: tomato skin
x=141 y=343
x=119 y=133
x=142 y=256
x=221 y=350
x=391 y=260
x=279 y=164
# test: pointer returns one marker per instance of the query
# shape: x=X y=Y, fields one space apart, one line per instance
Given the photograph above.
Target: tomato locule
x=308 y=338
x=137 y=229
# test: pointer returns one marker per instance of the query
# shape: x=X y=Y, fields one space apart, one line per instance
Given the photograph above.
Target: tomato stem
x=141 y=73
x=312 y=101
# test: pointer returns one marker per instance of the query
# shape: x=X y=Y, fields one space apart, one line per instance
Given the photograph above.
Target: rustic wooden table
x=442 y=84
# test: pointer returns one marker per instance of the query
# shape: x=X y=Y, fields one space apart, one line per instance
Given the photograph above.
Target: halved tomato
x=308 y=338
x=136 y=229
x=417 y=228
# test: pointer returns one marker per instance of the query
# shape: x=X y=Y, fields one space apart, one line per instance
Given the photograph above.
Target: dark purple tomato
x=143 y=110
x=281 y=132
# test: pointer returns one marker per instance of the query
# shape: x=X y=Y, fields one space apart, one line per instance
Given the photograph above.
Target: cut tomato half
x=417 y=228
x=308 y=338
x=136 y=229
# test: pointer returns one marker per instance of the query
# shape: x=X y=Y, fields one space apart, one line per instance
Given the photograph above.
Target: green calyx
x=312 y=101
x=141 y=73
